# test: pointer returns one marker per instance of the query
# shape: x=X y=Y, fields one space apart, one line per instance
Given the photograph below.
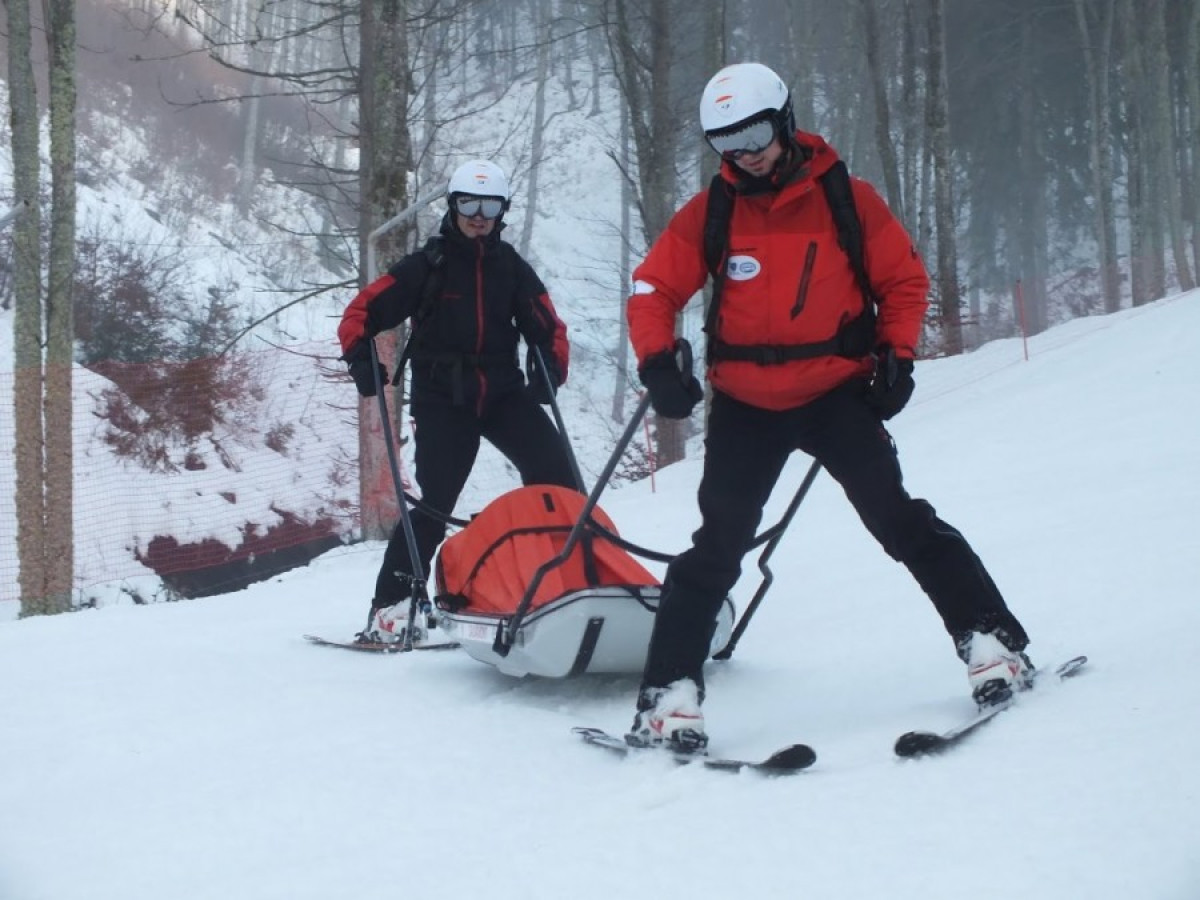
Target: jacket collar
x=806 y=158
x=455 y=238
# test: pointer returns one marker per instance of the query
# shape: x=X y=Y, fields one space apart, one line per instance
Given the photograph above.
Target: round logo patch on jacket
x=742 y=268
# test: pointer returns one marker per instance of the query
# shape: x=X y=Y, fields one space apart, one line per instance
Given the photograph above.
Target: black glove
x=891 y=384
x=536 y=389
x=358 y=359
x=673 y=392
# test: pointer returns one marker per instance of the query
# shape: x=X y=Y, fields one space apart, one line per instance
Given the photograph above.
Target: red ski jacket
x=788 y=282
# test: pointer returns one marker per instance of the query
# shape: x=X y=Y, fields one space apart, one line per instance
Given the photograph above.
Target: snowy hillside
x=203 y=750
x=259 y=268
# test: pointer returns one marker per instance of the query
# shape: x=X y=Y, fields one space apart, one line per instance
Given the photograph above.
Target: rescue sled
x=534 y=586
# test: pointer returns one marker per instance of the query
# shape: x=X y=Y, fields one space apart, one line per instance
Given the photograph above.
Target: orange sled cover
x=486 y=568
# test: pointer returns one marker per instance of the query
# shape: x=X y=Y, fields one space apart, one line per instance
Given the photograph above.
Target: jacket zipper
x=805 y=277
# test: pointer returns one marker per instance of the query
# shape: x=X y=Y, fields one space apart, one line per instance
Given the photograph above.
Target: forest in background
x=1040 y=150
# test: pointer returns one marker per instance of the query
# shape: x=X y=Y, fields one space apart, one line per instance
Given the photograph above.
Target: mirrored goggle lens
x=754 y=138
x=488 y=207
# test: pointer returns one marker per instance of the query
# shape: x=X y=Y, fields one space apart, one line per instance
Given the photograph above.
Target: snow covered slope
x=202 y=750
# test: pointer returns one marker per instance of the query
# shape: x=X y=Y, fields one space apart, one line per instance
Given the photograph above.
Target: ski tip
x=918 y=743
x=789 y=759
x=1071 y=666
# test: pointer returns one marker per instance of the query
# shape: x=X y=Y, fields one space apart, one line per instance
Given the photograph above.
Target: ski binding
x=787 y=761
x=377 y=646
x=924 y=743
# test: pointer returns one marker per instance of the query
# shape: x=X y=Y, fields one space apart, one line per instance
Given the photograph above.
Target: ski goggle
x=470 y=206
x=753 y=138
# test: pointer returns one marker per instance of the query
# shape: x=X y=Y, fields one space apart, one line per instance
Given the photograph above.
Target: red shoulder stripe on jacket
x=353 y=327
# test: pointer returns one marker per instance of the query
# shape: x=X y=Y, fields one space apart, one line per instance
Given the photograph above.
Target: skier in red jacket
x=799 y=359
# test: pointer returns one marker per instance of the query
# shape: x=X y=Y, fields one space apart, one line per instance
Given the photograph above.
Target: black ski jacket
x=464 y=345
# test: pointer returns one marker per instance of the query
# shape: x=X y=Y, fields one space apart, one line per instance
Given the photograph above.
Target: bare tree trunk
x=542 y=14
x=1032 y=238
x=565 y=51
x=385 y=158
x=1166 y=169
x=1152 y=180
x=715 y=52
x=643 y=69
x=27 y=318
x=949 y=292
x=925 y=203
x=1191 y=75
x=844 y=86
x=595 y=52
x=883 y=121
x=800 y=22
x=1097 y=50
x=910 y=113
x=248 y=166
x=259 y=61
x=60 y=327
x=1135 y=153
x=619 y=387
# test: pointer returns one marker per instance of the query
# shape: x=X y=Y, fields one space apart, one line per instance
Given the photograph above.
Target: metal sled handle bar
x=628 y=546
x=659 y=556
x=420 y=596
x=506 y=632
x=558 y=419
x=727 y=651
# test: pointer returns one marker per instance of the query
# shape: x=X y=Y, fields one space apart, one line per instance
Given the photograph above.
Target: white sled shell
x=594 y=630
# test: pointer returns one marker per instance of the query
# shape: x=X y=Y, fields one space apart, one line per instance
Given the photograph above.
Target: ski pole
x=558 y=419
x=419 y=594
x=506 y=632
x=768 y=577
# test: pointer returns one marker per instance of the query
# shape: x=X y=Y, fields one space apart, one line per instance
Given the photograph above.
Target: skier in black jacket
x=470 y=297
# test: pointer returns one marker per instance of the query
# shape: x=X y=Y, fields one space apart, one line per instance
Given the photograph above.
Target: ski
x=924 y=743
x=788 y=761
x=376 y=646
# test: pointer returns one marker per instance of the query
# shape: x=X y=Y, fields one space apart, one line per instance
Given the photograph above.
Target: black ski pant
x=745 y=452
x=447 y=441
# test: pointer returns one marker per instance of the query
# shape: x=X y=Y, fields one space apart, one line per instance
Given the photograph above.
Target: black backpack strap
x=854 y=338
x=435 y=255
x=840 y=197
x=718 y=214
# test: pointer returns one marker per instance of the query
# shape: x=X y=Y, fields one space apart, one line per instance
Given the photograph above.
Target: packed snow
x=202 y=749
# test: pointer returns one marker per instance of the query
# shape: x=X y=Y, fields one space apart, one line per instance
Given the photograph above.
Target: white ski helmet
x=481 y=178
x=746 y=91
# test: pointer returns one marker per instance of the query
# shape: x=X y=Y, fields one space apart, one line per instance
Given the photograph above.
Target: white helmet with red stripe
x=480 y=178
x=743 y=92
